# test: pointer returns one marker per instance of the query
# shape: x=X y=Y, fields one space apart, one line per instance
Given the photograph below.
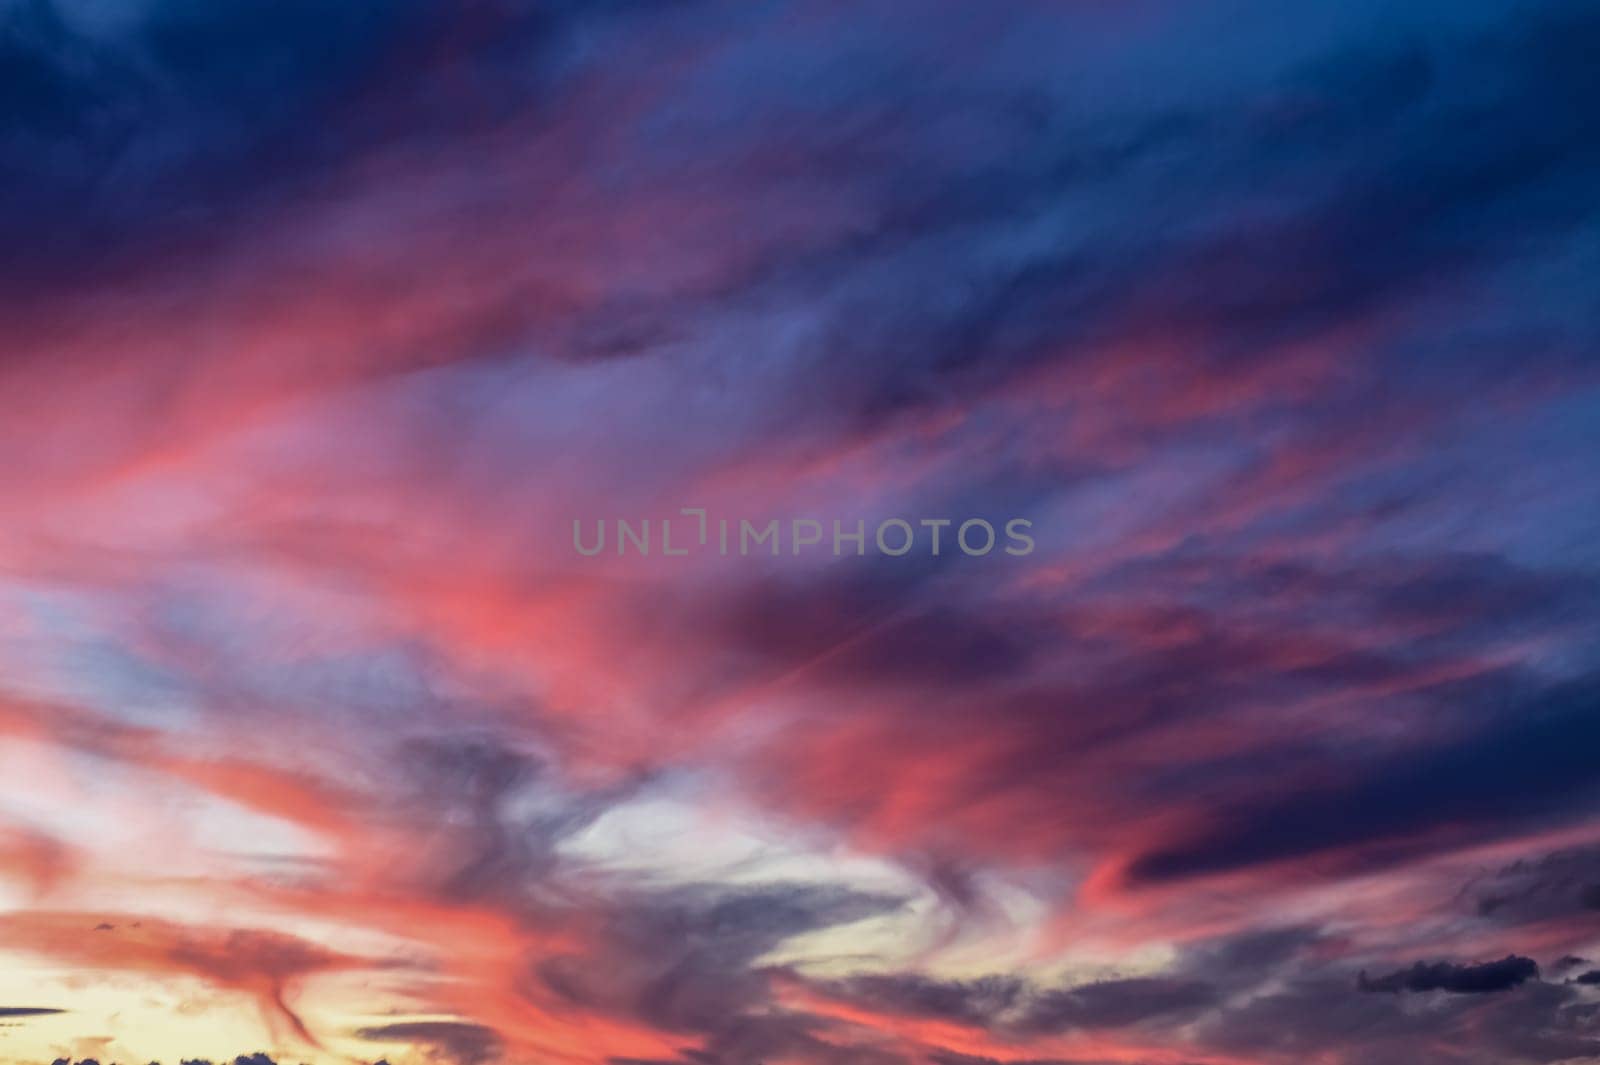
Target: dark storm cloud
x=28 y=1011
x=1484 y=978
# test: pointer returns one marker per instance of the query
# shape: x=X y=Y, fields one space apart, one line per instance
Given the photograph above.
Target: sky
x=1260 y=337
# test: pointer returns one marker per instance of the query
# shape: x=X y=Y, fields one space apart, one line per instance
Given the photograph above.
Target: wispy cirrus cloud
x=329 y=323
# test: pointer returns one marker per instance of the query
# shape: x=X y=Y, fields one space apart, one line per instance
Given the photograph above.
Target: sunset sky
x=323 y=321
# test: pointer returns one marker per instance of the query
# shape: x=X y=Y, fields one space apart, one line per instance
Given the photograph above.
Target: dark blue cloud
x=1479 y=979
x=1527 y=761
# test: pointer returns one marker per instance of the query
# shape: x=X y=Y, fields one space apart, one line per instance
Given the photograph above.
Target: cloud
x=263 y=964
x=463 y=1043
x=1519 y=766
x=1483 y=978
x=684 y=959
x=1555 y=887
x=1279 y=328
